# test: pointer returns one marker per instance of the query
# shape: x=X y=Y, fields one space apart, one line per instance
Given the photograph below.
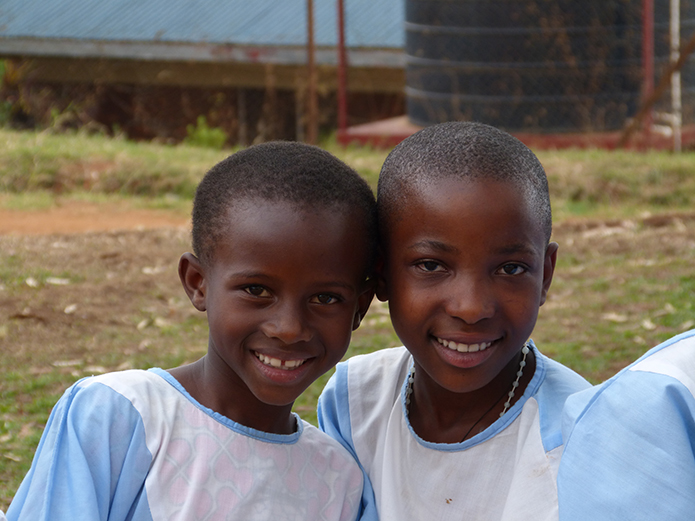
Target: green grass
x=74 y=163
x=36 y=168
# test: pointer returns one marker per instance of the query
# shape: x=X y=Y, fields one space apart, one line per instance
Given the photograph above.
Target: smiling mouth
x=278 y=363
x=464 y=348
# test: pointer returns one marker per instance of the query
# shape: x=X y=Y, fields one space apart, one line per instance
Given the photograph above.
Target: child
x=284 y=236
x=630 y=442
x=465 y=423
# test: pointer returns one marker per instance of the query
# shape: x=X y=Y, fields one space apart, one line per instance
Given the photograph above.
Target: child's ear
x=380 y=275
x=548 y=269
x=364 y=300
x=193 y=280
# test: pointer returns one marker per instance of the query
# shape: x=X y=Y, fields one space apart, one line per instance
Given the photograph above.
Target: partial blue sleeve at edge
x=631 y=453
x=334 y=419
x=91 y=462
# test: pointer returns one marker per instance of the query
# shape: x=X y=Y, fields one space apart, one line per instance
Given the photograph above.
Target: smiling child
x=284 y=236
x=464 y=421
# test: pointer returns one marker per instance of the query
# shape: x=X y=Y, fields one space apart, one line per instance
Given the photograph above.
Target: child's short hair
x=461 y=150
x=301 y=174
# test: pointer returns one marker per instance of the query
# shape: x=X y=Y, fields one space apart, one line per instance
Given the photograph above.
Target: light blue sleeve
x=629 y=451
x=334 y=419
x=91 y=462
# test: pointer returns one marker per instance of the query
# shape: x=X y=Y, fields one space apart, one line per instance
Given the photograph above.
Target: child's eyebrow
x=516 y=248
x=249 y=274
x=434 y=245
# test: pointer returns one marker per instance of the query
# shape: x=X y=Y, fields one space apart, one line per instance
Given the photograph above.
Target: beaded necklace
x=510 y=395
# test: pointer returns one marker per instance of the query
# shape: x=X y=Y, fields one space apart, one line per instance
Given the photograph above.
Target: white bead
x=522 y=364
x=515 y=384
x=525 y=350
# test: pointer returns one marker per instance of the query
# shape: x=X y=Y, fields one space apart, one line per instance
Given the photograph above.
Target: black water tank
x=533 y=65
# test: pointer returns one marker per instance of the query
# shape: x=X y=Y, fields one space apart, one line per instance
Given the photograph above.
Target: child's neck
x=232 y=399
x=439 y=415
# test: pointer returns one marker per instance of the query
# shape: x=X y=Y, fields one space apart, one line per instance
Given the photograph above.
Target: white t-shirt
x=136 y=446
x=507 y=472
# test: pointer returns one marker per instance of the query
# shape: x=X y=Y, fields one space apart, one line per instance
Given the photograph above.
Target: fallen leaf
x=143 y=324
x=688 y=324
x=648 y=324
x=161 y=322
x=614 y=317
x=66 y=363
x=57 y=281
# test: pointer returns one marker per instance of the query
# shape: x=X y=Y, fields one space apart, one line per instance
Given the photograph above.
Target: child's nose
x=287 y=323
x=470 y=299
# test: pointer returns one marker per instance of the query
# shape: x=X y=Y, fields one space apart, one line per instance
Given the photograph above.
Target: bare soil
x=84 y=217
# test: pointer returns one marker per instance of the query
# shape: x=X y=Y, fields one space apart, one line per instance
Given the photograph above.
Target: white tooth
x=275 y=362
x=464 y=348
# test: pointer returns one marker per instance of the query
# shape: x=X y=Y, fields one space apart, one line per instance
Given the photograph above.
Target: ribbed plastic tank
x=532 y=65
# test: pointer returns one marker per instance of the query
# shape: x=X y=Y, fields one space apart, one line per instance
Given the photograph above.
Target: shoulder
x=375 y=379
x=126 y=379
x=358 y=397
x=138 y=395
x=380 y=368
x=666 y=372
x=557 y=383
x=674 y=358
x=622 y=434
x=318 y=442
x=121 y=383
x=560 y=381
x=663 y=375
x=330 y=458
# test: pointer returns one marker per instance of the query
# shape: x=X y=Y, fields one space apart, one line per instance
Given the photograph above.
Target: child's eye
x=257 y=291
x=429 y=266
x=324 y=298
x=512 y=269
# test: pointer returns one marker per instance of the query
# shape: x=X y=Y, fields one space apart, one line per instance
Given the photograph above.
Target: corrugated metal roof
x=369 y=23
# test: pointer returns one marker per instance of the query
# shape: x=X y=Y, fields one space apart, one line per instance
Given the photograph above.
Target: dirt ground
x=84 y=274
x=82 y=218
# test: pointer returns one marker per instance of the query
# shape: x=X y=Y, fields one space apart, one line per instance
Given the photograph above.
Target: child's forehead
x=239 y=210
x=473 y=207
x=434 y=190
x=282 y=241
x=261 y=221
